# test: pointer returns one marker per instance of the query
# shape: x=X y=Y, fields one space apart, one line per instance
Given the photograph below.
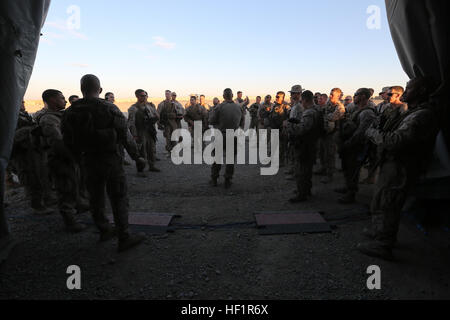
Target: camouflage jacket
x=195 y=113
x=142 y=118
x=332 y=114
x=409 y=137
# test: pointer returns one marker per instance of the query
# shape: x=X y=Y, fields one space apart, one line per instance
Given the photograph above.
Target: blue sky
x=200 y=46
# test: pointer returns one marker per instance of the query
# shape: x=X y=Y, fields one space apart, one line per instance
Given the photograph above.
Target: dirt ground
x=216 y=252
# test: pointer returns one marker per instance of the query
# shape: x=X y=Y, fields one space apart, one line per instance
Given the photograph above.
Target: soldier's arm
x=120 y=124
x=366 y=120
x=131 y=147
x=420 y=126
x=51 y=130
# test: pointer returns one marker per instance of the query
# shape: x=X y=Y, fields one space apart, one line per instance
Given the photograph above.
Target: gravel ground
x=205 y=262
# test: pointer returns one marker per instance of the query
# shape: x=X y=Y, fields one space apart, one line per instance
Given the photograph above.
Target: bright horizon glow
x=205 y=46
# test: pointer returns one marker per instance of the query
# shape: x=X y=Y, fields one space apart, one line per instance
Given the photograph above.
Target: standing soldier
x=203 y=102
x=253 y=110
x=278 y=120
x=243 y=104
x=406 y=143
x=168 y=119
x=334 y=111
x=305 y=134
x=28 y=161
x=180 y=109
x=353 y=146
x=94 y=128
x=194 y=113
x=142 y=118
x=295 y=115
x=225 y=116
x=264 y=112
x=384 y=95
x=60 y=160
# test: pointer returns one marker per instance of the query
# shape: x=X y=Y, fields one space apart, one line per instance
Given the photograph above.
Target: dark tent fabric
x=21 y=22
x=420 y=30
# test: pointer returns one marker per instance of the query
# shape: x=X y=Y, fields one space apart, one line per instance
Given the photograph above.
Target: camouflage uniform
x=305 y=136
x=227 y=115
x=277 y=118
x=168 y=119
x=95 y=129
x=253 y=110
x=141 y=123
x=243 y=104
x=353 y=145
x=61 y=165
x=406 y=143
x=296 y=113
x=28 y=161
x=332 y=115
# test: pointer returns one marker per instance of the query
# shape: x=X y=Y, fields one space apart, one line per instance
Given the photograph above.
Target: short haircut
x=50 y=93
x=139 y=91
x=194 y=97
x=281 y=92
x=337 y=90
x=324 y=95
x=228 y=93
x=307 y=96
x=108 y=94
x=268 y=96
x=202 y=96
x=258 y=97
x=89 y=83
x=398 y=89
x=71 y=98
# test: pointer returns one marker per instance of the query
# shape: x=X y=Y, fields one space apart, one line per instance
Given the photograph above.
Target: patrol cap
x=296 y=89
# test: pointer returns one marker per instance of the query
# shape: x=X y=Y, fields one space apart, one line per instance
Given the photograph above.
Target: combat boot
x=376 y=249
x=130 y=241
x=72 y=225
x=348 y=198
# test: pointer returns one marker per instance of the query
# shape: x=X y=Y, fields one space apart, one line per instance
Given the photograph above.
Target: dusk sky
x=201 y=46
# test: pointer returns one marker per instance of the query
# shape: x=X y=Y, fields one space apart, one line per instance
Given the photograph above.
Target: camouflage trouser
x=147 y=148
x=33 y=175
x=304 y=162
x=352 y=168
x=106 y=171
x=64 y=177
x=328 y=154
x=390 y=195
x=229 y=168
x=168 y=130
